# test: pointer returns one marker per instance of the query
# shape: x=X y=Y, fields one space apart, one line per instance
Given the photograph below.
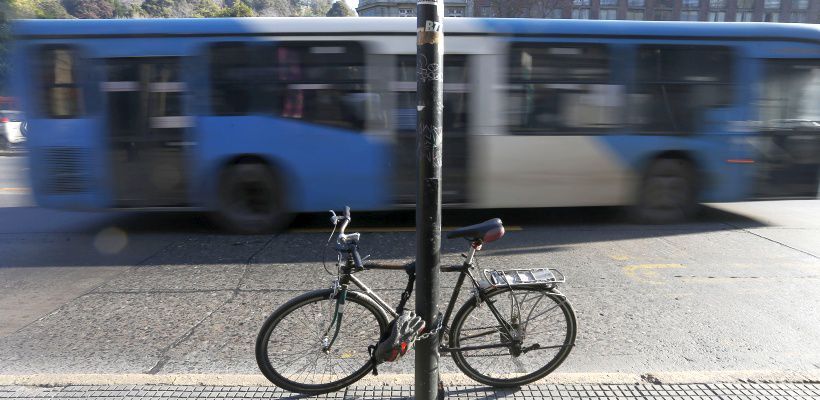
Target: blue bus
x=254 y=119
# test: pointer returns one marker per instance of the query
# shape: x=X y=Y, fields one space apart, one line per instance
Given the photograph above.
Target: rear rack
x=546 y=277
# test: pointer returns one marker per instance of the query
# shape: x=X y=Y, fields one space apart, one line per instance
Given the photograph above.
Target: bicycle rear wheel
x=486 y=352
x=290 y=346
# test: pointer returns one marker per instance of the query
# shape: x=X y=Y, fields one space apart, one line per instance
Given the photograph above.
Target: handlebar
x=334 y=219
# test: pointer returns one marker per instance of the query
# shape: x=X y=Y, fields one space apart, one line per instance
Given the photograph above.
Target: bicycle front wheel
x=296 y=351
x=539 y=335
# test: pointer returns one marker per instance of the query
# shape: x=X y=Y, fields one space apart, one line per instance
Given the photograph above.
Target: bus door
x=146 y=127
x=455 y=150
x=788 y=143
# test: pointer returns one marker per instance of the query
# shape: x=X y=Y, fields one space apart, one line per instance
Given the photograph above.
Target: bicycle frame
x=353 y=264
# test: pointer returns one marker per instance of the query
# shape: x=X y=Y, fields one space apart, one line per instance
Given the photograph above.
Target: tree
x=5 y=16
x=238 y=9
x=51 y=9
x=158 y=8
x=207 y=9
x=271 y=8
x=341 y=9
x=122 y=10
x=90 y=9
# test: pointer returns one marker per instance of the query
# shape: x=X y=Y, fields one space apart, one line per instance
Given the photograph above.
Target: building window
x=771 y=17
x=744 y=11
x=609 y=3
x=690 y=3
x=407 y=12
x=663 y=10
x=62 y=95
x=637 y=3
x=688 y=15
x=555 y=13
x=608 y=14
x=582 y=3
x=561 y=88
x=717 y=16
x=580 y=13
x=455 y=12
x=743 y=16
x=717 y=4
x=800 y=4
x=664 y=15
x=486 y=11
x=771 y=4
x=799 y=17
x=635 y=15
x=676 y=85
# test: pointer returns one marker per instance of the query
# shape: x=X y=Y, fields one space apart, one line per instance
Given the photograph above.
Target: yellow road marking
x=648 y=273
x=513 y=228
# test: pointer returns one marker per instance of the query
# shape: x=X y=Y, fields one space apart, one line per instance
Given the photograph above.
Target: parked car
x=12 y=129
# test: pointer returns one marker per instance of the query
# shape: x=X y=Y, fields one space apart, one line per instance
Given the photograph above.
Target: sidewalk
x=557 y=391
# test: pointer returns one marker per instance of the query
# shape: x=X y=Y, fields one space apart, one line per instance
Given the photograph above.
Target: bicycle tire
x=499 y=373
x=362 y=320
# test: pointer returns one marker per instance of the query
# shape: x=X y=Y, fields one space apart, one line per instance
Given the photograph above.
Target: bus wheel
x=251 y=199
x=668 y=193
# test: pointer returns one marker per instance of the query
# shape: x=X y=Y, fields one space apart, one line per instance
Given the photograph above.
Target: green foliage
x=90 y=9
x=341 y=9
x=238 y=9
x=158 y=8
x=51 y=9
x=207 y=9
x=270 y=8
x=122 y=10
x=5 y=15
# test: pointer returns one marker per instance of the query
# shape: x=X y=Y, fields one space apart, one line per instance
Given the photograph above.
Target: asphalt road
x=163 y=294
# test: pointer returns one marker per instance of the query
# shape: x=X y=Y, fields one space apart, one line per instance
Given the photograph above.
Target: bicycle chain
x=426 y=335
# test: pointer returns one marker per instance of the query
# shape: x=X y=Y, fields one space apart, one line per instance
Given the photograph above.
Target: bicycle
x=516 y=327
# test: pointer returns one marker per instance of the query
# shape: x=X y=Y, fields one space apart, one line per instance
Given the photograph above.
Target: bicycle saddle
x=487 y=231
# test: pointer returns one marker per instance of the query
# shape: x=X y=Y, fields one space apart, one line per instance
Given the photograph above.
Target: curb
x=656 y=378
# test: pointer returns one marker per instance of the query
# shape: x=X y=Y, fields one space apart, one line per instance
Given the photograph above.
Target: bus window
x=789 y=140
x=561 y=88
x=790 y=94
x=231 y=78
x=675 y=85
x=62 y=94
x=455 y=119
x=322 y=83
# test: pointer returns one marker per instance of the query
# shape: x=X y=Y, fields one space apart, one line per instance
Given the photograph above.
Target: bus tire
x=251 y=199
x=668 y=192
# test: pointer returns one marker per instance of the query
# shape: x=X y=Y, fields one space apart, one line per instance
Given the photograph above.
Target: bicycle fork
x=336 y=322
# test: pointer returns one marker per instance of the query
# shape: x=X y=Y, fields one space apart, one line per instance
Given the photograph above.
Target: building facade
x=801 y=11
x=407 y=8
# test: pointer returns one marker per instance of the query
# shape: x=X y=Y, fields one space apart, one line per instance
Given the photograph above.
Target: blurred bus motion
x=256 y=118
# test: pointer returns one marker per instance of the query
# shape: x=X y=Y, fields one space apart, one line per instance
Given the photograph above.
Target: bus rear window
x=61 y=93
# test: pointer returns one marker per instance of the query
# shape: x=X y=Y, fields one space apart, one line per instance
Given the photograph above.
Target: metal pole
x=430 y=92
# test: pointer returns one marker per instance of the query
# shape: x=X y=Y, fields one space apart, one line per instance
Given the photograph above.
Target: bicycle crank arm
x=539 y=347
